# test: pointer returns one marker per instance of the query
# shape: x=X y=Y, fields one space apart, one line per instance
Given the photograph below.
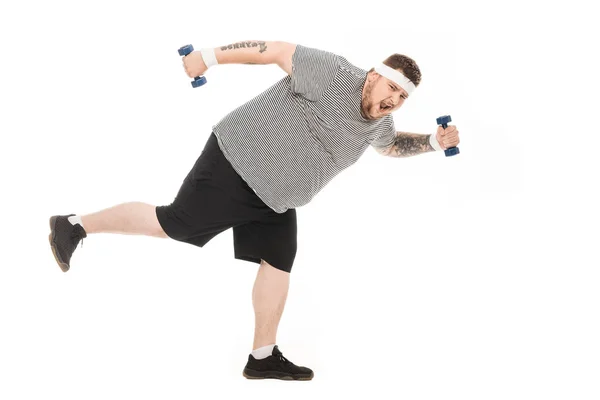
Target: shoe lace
x=75 y=236
x=281 y=358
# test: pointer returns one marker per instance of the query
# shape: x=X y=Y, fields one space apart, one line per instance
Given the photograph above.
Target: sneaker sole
x=64 y=266
x=275 y=375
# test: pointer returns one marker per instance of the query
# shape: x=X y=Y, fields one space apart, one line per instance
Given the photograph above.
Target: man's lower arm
x=410 y=144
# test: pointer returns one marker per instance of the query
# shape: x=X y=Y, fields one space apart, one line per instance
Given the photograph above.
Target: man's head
x=381 y=95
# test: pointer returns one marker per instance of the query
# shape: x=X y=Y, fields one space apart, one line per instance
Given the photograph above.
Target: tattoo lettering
x=243 y=45
x=410 y=144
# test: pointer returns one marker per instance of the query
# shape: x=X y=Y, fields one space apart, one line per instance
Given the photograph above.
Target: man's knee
x=162 y=234
x=159 y=231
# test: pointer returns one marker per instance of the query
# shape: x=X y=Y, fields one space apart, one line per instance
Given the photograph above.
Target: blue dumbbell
x=199 y=80
x=443 y=121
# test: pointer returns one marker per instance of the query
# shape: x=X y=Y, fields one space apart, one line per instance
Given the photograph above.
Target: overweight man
x=262 y=161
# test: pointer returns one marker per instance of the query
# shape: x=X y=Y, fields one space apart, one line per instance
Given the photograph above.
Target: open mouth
x=384 y=107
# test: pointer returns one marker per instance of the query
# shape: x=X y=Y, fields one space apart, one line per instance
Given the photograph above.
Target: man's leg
x=268 y=298
x=133 y=218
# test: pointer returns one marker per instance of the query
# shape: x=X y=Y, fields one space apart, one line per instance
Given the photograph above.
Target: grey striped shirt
x=288 y=142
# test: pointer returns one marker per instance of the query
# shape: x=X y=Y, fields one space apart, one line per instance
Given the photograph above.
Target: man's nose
x=395 y=100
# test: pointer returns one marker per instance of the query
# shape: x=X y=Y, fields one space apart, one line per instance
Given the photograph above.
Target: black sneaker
x=276 y=366
x=64 y=238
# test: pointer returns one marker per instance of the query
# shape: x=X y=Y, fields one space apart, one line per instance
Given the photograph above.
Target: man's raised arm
x=248 y=52
x=257 y=52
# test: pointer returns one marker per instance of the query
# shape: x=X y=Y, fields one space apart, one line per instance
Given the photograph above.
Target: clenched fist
x=447 y=137
x=194 y=64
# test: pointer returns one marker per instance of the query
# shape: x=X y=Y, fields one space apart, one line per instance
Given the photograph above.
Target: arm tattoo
x=410 y=144
x=243 y=45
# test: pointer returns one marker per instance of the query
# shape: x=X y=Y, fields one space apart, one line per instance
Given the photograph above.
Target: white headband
x=396 y=76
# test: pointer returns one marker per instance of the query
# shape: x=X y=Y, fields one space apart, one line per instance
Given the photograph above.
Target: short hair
x=406 y=65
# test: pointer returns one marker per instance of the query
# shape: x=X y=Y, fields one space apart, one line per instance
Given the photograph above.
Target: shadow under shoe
x=276 y=366
x=64 y=238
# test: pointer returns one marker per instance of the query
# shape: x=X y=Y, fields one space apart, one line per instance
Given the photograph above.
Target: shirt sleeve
x=386 y=138
x=313 y=70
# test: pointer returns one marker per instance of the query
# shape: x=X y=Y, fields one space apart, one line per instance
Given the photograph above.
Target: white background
x=472 y=277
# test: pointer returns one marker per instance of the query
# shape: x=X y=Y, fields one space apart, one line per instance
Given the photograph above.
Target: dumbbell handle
x=443 y=121
x=184 y=51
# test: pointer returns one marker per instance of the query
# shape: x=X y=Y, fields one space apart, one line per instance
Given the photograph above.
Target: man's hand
x=194 y=64
x=447 y=137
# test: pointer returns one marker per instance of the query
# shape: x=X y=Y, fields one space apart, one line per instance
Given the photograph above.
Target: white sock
x=76 y=219
x=263 y=352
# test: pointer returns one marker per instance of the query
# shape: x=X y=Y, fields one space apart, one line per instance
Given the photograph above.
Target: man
x=264 y=159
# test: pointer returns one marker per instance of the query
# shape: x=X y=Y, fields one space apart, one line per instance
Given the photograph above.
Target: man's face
x=381 y=96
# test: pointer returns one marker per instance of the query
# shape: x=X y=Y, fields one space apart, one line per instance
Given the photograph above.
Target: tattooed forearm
x=257 y=52
x=242 y=45
x=410 y=144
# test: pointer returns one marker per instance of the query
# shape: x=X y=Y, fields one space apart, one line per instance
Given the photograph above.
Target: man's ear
x=371 y=76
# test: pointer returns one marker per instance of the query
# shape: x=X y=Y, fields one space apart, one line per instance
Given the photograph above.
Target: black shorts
x=214 y=198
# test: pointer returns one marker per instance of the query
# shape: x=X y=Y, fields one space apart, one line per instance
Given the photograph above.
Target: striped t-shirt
x=288 y=142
